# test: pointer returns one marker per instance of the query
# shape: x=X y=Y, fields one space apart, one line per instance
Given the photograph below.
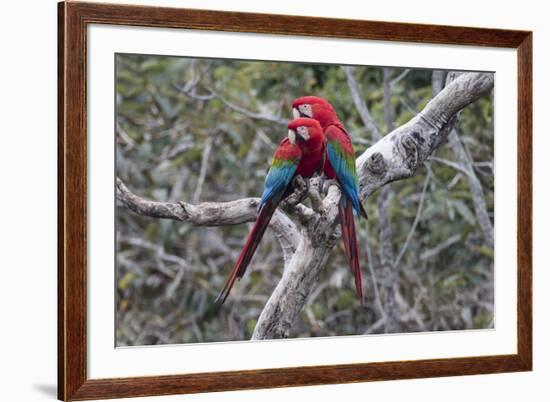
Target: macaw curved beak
x=295 y=113
x=292 y=137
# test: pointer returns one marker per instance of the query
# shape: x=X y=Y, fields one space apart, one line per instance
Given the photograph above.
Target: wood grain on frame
x=73 y=19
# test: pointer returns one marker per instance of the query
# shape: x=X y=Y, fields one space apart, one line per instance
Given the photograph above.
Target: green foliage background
x=169 y=273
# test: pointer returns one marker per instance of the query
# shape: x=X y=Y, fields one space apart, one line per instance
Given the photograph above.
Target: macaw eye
x=303 y=133
x=305 y=110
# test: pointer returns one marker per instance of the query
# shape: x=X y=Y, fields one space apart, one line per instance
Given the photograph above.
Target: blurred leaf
x=464 y=211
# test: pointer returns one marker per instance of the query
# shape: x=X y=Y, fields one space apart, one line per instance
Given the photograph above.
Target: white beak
x=295 y=113
x=292 y=136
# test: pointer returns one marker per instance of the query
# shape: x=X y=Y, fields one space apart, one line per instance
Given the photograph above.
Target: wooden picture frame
x=73 y=381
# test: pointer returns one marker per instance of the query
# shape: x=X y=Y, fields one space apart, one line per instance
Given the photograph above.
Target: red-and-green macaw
x=339 y=165
x=300 y=153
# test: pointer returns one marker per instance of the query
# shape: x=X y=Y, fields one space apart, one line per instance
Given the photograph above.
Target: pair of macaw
x=317 y=142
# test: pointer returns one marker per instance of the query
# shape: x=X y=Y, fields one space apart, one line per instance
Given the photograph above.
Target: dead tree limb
x=213 y=214
x=476 y=189
x=478 y=197
x=397 y=155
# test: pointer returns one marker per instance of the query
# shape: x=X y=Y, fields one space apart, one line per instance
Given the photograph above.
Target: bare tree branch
x=213 y=214
x=438 y=81
x=204 y=165
x=236 y=108
x=397 y=79
x=376 y=326
x=440 y=247
x=478 y=197
x=248 y=113
x=388 y=108
x=476 y=189
x=457 y=166
x=161 y=255
x=301 y=273
x=415 y=222
x=360 y=104
x=397 y=155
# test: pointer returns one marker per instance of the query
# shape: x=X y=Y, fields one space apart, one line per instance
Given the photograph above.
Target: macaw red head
x=314 y=108
x=305 y=132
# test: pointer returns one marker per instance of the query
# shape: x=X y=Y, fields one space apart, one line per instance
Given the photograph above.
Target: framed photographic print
x=253 y=201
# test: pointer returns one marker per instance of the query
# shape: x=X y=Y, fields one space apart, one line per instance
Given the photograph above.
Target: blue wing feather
x=346 y=175
x=277 y=180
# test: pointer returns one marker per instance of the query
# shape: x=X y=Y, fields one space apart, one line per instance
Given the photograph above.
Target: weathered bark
x=300 y=274
x=438 y=81
x=478 y=197
x=397 y=155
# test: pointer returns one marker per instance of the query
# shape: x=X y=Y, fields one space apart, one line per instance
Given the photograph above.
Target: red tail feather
x=254 y=238
x=349 y=236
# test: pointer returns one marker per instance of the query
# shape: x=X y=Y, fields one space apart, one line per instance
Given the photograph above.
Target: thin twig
x=415 y=223
x=397 y=79
x=360 y=104
x=236 y=108
x=204 y=165
x=455 y=165
x=160 y=253
x=376 y=326
x=440 y=247
x=388 y=108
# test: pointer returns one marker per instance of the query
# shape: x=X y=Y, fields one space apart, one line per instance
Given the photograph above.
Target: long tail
x=254 y=238
x=350 y=244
